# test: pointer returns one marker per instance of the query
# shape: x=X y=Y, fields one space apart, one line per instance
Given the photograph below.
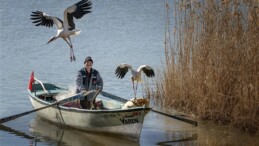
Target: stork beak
x=52 y=39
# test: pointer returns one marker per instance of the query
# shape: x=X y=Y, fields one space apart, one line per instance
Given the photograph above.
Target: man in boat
x=88 y=79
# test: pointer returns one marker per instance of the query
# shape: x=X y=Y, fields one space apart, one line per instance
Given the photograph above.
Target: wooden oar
x=77 y=96
x=194 y=123
x=109 y=95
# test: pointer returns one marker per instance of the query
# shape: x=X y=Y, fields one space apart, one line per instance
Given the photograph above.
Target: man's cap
x=88 y=59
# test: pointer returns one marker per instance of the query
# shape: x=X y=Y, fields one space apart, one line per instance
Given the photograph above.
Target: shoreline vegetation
x=211 y=62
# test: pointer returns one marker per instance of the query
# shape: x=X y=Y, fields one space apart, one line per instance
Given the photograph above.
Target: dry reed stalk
x=212 y=61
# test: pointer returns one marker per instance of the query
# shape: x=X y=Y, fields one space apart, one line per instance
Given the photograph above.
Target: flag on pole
x=31 y=81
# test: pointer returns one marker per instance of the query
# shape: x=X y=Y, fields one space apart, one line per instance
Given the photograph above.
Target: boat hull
x=126 y=122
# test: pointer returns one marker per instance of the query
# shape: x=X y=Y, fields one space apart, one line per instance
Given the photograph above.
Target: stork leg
x=72 y=56
x=67 y=42
x=134 y=89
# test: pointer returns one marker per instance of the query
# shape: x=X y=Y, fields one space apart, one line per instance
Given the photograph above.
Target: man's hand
x=84 y=93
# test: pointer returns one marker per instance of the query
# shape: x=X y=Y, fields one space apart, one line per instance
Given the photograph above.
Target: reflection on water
x=46 y=131
x=32 y=139
x=187 y=139
x=213 y=135
x=15 y=132
x=156 y=131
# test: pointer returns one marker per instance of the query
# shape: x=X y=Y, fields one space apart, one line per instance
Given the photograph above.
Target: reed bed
x=211 y=66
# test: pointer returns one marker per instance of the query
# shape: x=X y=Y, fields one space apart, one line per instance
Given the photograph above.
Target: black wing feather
x=70 y=21
x=40 y=19
x=121 y=72
x=149 y=72
x=83 y=7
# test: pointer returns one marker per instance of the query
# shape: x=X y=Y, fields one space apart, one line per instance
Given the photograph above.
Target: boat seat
x=50 y=88
x=50 y=92
x=46 y=98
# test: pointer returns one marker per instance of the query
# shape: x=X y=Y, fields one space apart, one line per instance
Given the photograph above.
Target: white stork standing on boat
x=66 y=28
x=123 y=68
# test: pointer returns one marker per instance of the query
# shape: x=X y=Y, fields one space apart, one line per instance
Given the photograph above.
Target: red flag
x=31 y=81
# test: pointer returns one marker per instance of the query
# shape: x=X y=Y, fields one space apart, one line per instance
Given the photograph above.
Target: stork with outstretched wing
x=123 y=68
x=65 y=28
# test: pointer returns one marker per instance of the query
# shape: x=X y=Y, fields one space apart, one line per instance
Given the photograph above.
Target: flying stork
x=123 y=68
x=66 y=28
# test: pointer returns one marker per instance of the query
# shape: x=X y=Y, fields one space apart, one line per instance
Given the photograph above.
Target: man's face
x=88 y=65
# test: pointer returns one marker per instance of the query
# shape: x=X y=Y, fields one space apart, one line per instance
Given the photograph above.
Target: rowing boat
x=108 y=118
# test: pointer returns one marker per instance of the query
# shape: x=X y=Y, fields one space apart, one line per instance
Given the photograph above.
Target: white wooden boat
x=109 y=119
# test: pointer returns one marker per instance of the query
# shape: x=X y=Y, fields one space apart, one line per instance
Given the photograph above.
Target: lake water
x=117 y=31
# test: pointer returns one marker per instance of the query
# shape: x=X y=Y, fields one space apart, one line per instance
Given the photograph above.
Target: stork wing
x=147 y=70
x=122 y=70
x=43 y=19
x=77 y=10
